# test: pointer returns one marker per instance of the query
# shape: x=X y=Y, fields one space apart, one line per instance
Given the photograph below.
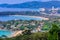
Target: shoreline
x=16 y=33
x=44 y=18
x=16 y=17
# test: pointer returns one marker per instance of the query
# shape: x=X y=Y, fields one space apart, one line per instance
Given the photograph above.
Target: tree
x=27 y=32
x=53 y=33
x=39 y=36
x=22 y=27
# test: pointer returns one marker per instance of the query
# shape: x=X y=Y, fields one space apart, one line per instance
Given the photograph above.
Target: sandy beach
x=34 y=17
x=38 y=17
x=16 y=33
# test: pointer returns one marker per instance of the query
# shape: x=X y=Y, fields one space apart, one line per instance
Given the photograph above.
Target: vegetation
x=53 y=33
x=27 y=35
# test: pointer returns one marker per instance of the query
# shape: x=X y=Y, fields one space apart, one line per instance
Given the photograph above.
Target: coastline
x=16 y=33
x=44 y=18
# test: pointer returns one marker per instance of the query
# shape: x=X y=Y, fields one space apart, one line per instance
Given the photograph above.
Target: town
x=37 y=23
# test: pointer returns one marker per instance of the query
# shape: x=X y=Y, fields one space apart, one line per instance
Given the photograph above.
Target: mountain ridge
x=32 y=4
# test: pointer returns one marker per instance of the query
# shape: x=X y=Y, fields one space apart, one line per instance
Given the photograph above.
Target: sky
x=21 y=1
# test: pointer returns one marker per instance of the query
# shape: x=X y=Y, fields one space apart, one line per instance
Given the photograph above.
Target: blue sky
x=21 y=1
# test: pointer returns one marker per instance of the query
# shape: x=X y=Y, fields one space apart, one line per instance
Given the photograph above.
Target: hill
x=33 y=4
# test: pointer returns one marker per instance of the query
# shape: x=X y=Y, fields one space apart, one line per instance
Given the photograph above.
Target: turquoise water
x=15 y=17
x=5 y=33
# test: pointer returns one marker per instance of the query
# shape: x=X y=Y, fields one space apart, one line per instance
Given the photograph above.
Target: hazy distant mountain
x=33 y=4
